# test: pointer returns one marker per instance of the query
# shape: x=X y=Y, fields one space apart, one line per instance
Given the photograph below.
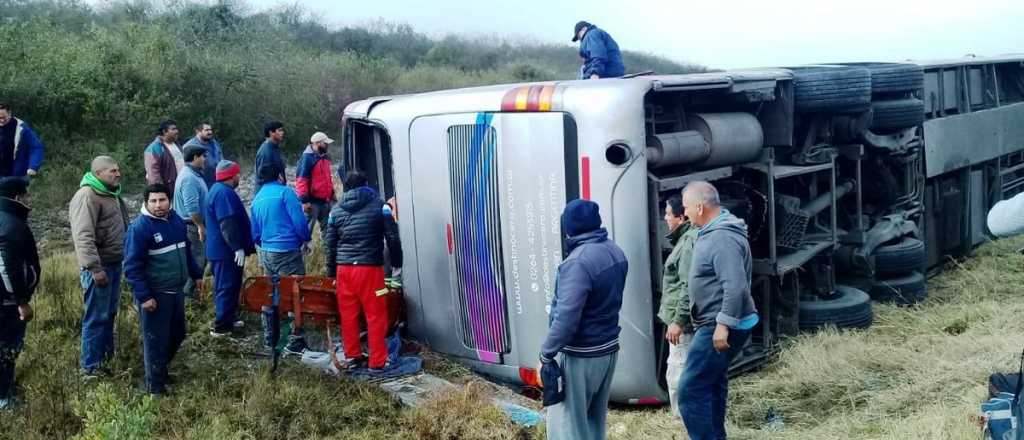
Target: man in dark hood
x=584 y=324
x=19 y=267
x=358 y=228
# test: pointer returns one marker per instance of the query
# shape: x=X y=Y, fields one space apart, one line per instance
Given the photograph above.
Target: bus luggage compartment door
x=487 y=191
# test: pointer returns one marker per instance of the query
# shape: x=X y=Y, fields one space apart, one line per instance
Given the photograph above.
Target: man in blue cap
x=600 y=53
x=584 y=324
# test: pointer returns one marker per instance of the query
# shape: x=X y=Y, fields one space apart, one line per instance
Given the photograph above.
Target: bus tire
x=893 y=77
x=907 y=255
x=896 y=114
x=903 y=290
x=846 y=308
x=831 y=89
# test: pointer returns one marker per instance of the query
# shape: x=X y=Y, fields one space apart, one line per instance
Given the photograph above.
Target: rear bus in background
x=832 y=167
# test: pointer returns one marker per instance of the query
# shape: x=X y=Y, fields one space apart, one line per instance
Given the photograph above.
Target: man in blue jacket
x=228 y=242
x=584 y=323
x=600 y=53
x=21 y=151
x=279 y=228
x=721 y=310
x=190 y=204
x=157 y=263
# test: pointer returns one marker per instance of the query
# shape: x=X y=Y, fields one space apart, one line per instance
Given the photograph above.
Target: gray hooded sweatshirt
x=720 y=274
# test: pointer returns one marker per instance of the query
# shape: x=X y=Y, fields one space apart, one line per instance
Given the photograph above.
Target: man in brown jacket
x=98 y=222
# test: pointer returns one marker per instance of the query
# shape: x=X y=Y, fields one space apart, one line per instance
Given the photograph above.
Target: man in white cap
x=313 y=181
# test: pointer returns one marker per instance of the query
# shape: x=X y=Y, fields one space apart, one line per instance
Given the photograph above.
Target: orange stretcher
x=310 y=298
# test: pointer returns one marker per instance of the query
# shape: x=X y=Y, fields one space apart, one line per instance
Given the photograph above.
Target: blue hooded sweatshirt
x=584 y=319
x=278 y=224
x=600 y=54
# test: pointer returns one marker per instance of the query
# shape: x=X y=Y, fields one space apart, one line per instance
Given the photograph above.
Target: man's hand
x=202 y=233
x=25 y=312
x=540 y=378
x=721 y=338
x=594 y=76
x=31 y=173
x=307 y=208
x=101 y=278
x=673 y=333
x=200 y=283
x=149 y=305
x=240 y=258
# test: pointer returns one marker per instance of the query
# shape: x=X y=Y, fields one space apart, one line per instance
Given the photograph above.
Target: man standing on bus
x=600 y=53
x=584 y=325
x=675 y=294
x=721 y=308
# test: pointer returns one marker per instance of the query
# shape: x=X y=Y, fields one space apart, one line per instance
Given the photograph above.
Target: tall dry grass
x=917 y=373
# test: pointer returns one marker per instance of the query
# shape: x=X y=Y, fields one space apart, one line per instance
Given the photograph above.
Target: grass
x=917 y=373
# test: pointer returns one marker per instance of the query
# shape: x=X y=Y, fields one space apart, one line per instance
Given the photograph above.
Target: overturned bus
x=854 y=180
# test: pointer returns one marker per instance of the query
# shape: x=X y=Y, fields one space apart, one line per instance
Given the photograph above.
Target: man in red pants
x=357 y=230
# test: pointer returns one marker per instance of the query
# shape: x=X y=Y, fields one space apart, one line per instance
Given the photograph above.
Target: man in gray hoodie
x=721 y=310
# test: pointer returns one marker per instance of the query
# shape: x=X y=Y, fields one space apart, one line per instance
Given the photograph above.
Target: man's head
x=580 y=216
x=195 y=155
x=674 y=212
x=580 y=30
x=270 y=173
x=274 y=130
x=14 y=188
x=105 y=168
x=354 y=179
x=320 y=141
x=204 y=131
x=228 y=172
x=158 y=200
x=5 y=114
x=700 y=202
x=168 y=130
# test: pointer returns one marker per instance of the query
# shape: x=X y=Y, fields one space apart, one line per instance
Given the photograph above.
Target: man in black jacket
x=354 y=252
x=19 y=271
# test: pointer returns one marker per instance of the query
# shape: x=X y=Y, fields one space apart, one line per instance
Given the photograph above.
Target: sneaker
x=10 y=403
x=387 y=366
x=219 y=333
x=354 y=363
x=296 y=346
x=239 y=324
x=94 y=373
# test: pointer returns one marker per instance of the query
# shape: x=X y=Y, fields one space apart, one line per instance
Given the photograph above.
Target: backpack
x=1002 y=414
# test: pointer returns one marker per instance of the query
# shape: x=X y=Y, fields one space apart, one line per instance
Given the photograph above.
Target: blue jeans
x=98 y=319
x=163 y=331
x=12 y=338
x=282 y=263
x=704 y=387
x=198 y=249
x=227 y=284
x=588 y=384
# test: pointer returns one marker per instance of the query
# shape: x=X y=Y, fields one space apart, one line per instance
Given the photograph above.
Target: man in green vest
x=675 y=295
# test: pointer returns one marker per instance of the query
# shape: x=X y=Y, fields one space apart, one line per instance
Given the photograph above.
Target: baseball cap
x=320 y=137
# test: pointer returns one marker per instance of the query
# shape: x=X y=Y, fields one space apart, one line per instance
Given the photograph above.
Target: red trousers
x=361 y=290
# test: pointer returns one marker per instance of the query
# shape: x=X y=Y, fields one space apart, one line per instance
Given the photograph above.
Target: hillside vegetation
x=99 y=80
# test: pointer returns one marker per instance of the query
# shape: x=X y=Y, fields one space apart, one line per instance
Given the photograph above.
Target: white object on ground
x=1006 y=218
